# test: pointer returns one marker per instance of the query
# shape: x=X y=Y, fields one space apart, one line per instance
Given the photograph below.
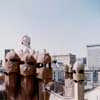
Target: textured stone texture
x=12 y=62
x=12 y=78
x=28 y=78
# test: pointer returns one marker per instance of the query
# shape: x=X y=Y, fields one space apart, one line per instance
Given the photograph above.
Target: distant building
x=82 y=60
x=58 y=72
x=59 y=61
x=65 y=58
x=93 y=56
x=92 y=73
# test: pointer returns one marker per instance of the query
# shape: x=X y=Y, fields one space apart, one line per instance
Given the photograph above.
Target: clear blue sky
x=52 y=24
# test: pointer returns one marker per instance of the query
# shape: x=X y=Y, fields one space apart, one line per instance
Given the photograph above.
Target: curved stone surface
x=12 y=62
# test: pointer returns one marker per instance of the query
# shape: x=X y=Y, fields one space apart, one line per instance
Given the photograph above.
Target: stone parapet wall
x=55 y=96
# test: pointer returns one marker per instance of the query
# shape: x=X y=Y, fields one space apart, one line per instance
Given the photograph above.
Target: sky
x=52 y=24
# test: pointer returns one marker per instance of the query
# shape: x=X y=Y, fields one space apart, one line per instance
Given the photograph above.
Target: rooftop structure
x=93 y=56
x=65 y=58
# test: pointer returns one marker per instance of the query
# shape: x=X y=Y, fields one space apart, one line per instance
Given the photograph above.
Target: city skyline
x=52 y=24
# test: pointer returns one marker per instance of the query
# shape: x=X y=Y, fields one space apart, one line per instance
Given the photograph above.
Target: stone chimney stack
x=44 y=74
x=12 y=78
x=69 y=86
x=78 y=77
x=28 y=78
